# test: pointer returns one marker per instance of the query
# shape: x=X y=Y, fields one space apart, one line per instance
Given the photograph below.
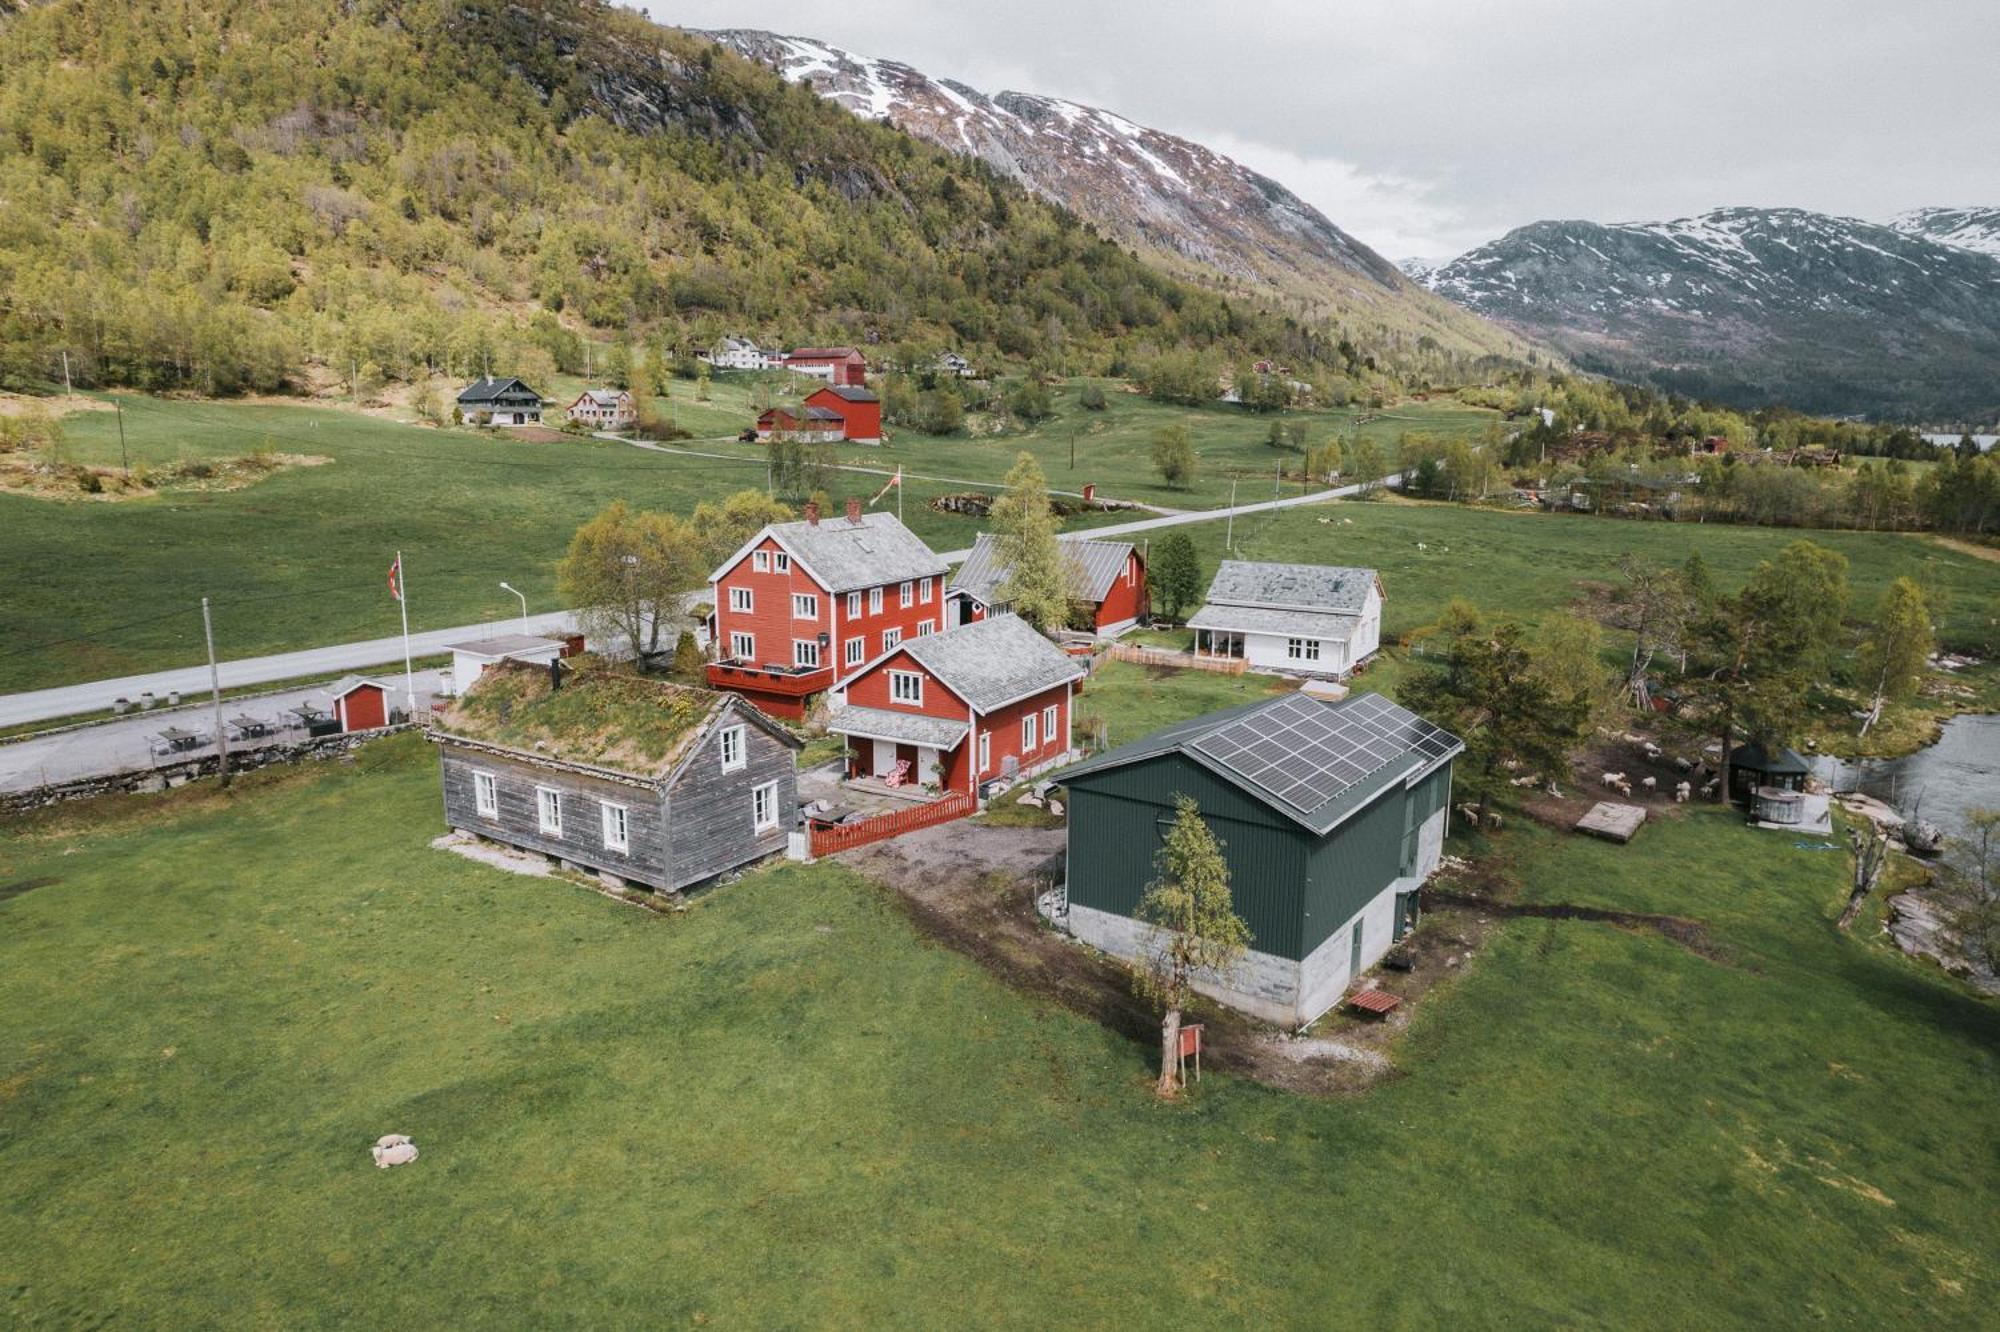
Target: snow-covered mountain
x=1199 y=212
x=1975 y=229
x=1753 y=305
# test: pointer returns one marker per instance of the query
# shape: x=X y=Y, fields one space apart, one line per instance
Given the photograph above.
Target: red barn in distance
x=836 y=365
x=860 y=411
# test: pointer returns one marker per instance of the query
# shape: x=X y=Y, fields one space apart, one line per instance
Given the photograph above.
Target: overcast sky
x=1428 y=126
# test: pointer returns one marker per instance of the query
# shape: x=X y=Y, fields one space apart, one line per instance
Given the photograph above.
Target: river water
x=1943 y=783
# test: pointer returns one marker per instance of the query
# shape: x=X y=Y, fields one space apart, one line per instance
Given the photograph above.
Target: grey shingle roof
x=850 y=392
x=502 y=644
x=1262 y=620
x=878 y=549
x=994 y=661
x=1312 y=761
x=911 y=728
x=491 y=389
x=1321 y=587
x=1093 y=567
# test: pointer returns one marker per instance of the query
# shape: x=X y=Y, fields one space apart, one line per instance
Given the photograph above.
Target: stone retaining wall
x=180 y=774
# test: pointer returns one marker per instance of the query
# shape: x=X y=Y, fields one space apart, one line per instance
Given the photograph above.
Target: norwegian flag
x=396 y=578
x=895 y=482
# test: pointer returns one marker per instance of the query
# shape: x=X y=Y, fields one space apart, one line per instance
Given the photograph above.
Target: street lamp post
x=524 y=604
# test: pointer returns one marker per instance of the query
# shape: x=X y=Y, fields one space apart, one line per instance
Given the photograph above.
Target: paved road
x=125 y=745
x=73 y=700
x=383 y=653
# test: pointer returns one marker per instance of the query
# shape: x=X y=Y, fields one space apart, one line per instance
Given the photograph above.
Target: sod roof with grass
x=598 y=716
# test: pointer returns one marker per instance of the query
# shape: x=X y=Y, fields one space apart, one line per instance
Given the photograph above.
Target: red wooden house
x=1107 y=580
x=813 y=425
x=836 y=365
x=859 y=410
x=958 y=709
x=804 y=605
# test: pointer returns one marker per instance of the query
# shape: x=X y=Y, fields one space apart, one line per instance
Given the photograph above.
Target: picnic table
x=174 y=740
x=250 y=728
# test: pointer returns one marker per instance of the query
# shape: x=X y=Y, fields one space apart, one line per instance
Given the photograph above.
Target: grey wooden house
x=642 y=781
x=490 y=400
x=1331 y=817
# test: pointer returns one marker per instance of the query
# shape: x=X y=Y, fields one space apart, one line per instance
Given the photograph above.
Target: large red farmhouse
x=859 y=410
x=960 y=708
x=804 y=605
x=836 y=365
x=1106 y=578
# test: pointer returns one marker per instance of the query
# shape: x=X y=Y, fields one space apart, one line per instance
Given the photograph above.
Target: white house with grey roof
x=1300 y=619
x=958 y=710
x=1107 y=583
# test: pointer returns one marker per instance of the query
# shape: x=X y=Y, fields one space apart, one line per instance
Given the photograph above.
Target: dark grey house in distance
x=492 y=401
x=642 y=781
x=1331 y=816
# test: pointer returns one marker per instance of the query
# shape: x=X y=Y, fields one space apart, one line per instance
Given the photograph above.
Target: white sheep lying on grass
x=393 y=1149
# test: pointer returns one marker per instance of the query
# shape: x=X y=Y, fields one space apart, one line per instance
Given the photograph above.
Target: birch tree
x=1198 y=930
x=1037 y=580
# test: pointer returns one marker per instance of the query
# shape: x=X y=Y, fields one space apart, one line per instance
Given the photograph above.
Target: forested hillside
x=231 y=197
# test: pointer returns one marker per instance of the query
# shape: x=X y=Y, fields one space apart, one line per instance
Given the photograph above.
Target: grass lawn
x=782 y=1108
x=300 y=559
x=1114 y=446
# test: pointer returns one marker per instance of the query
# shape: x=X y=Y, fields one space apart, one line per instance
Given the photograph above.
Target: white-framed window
x=740 y=599
x=891 y=637
x=1302 y=649
x=1029 y=737
x=1049 y=724
x=781 y=561
x=906 y=592
x=743 y=645
x=857 y=651
x=853 y=605
x=732 y=748
x=486 y=795
x=874 y=601
x=760 y=561
x=805 y=606
x=764 y=806
x=805 y=653
x=924 y=591
x=906 y=687
x=985 y=752
x=617 y=828
x=548 y=810
x=926 y=627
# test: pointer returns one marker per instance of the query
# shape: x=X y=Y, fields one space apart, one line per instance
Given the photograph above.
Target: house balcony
x=769 y=681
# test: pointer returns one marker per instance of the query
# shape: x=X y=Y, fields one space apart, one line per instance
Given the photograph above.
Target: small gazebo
x=1759 y=767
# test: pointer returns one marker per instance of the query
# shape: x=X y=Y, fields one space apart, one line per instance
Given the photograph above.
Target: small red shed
x=360 y=704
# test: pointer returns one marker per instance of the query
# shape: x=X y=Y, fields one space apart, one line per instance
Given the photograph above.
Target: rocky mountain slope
x=1975 y=229
x=1751 y=306
x=1174 y=201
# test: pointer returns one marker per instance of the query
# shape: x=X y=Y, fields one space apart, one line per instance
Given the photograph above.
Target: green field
x=782 y=1108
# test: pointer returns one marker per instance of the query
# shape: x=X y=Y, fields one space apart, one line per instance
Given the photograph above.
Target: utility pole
x=1072 y=448
x=1278 y=481
x=68 y=390
x=215 y=693
x=1229 y=536
x=123 y=455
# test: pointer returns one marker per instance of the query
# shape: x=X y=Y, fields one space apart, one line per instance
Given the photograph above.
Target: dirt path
x=973 y=889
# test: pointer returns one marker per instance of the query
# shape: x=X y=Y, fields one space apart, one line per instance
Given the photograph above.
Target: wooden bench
x=1376 y=1003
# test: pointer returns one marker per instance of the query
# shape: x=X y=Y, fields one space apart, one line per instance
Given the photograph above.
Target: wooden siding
x=708 y=810
x=582 y=842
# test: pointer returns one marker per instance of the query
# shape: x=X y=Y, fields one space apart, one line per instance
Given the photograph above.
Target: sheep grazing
x=393 y=1149
x=1650 y=783
x=1708 y=789
x=1614 y=778
x=1683 y=763
x=1493 y=818
x=1682 y=792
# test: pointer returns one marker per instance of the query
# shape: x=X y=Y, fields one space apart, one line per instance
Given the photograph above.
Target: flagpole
x=899 y=492
x=403 y=600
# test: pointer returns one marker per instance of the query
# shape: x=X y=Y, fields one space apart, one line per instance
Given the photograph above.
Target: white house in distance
x=740 y=353
x=1302 y=619
x=603 y=409
x=468 y=660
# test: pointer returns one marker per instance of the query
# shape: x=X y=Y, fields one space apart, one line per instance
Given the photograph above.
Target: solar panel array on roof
x=1305 y=752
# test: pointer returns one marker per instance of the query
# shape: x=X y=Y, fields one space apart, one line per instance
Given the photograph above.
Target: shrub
x=1092 y=398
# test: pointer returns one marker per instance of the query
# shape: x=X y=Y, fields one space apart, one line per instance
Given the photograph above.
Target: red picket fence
x=847 y=836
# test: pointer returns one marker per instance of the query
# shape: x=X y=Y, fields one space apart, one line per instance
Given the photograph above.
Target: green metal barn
x=1331 y=816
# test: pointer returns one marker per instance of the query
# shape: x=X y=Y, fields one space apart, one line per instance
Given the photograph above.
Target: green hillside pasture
x=299 y=559
x=784 y=1109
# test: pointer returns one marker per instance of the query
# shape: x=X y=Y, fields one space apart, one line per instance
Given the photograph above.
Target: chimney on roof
x=853 y=509
x=812 y=512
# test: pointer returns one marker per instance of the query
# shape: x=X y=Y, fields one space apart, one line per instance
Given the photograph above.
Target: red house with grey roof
x=804 y=605
x=956 y=710
x=836 y=365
